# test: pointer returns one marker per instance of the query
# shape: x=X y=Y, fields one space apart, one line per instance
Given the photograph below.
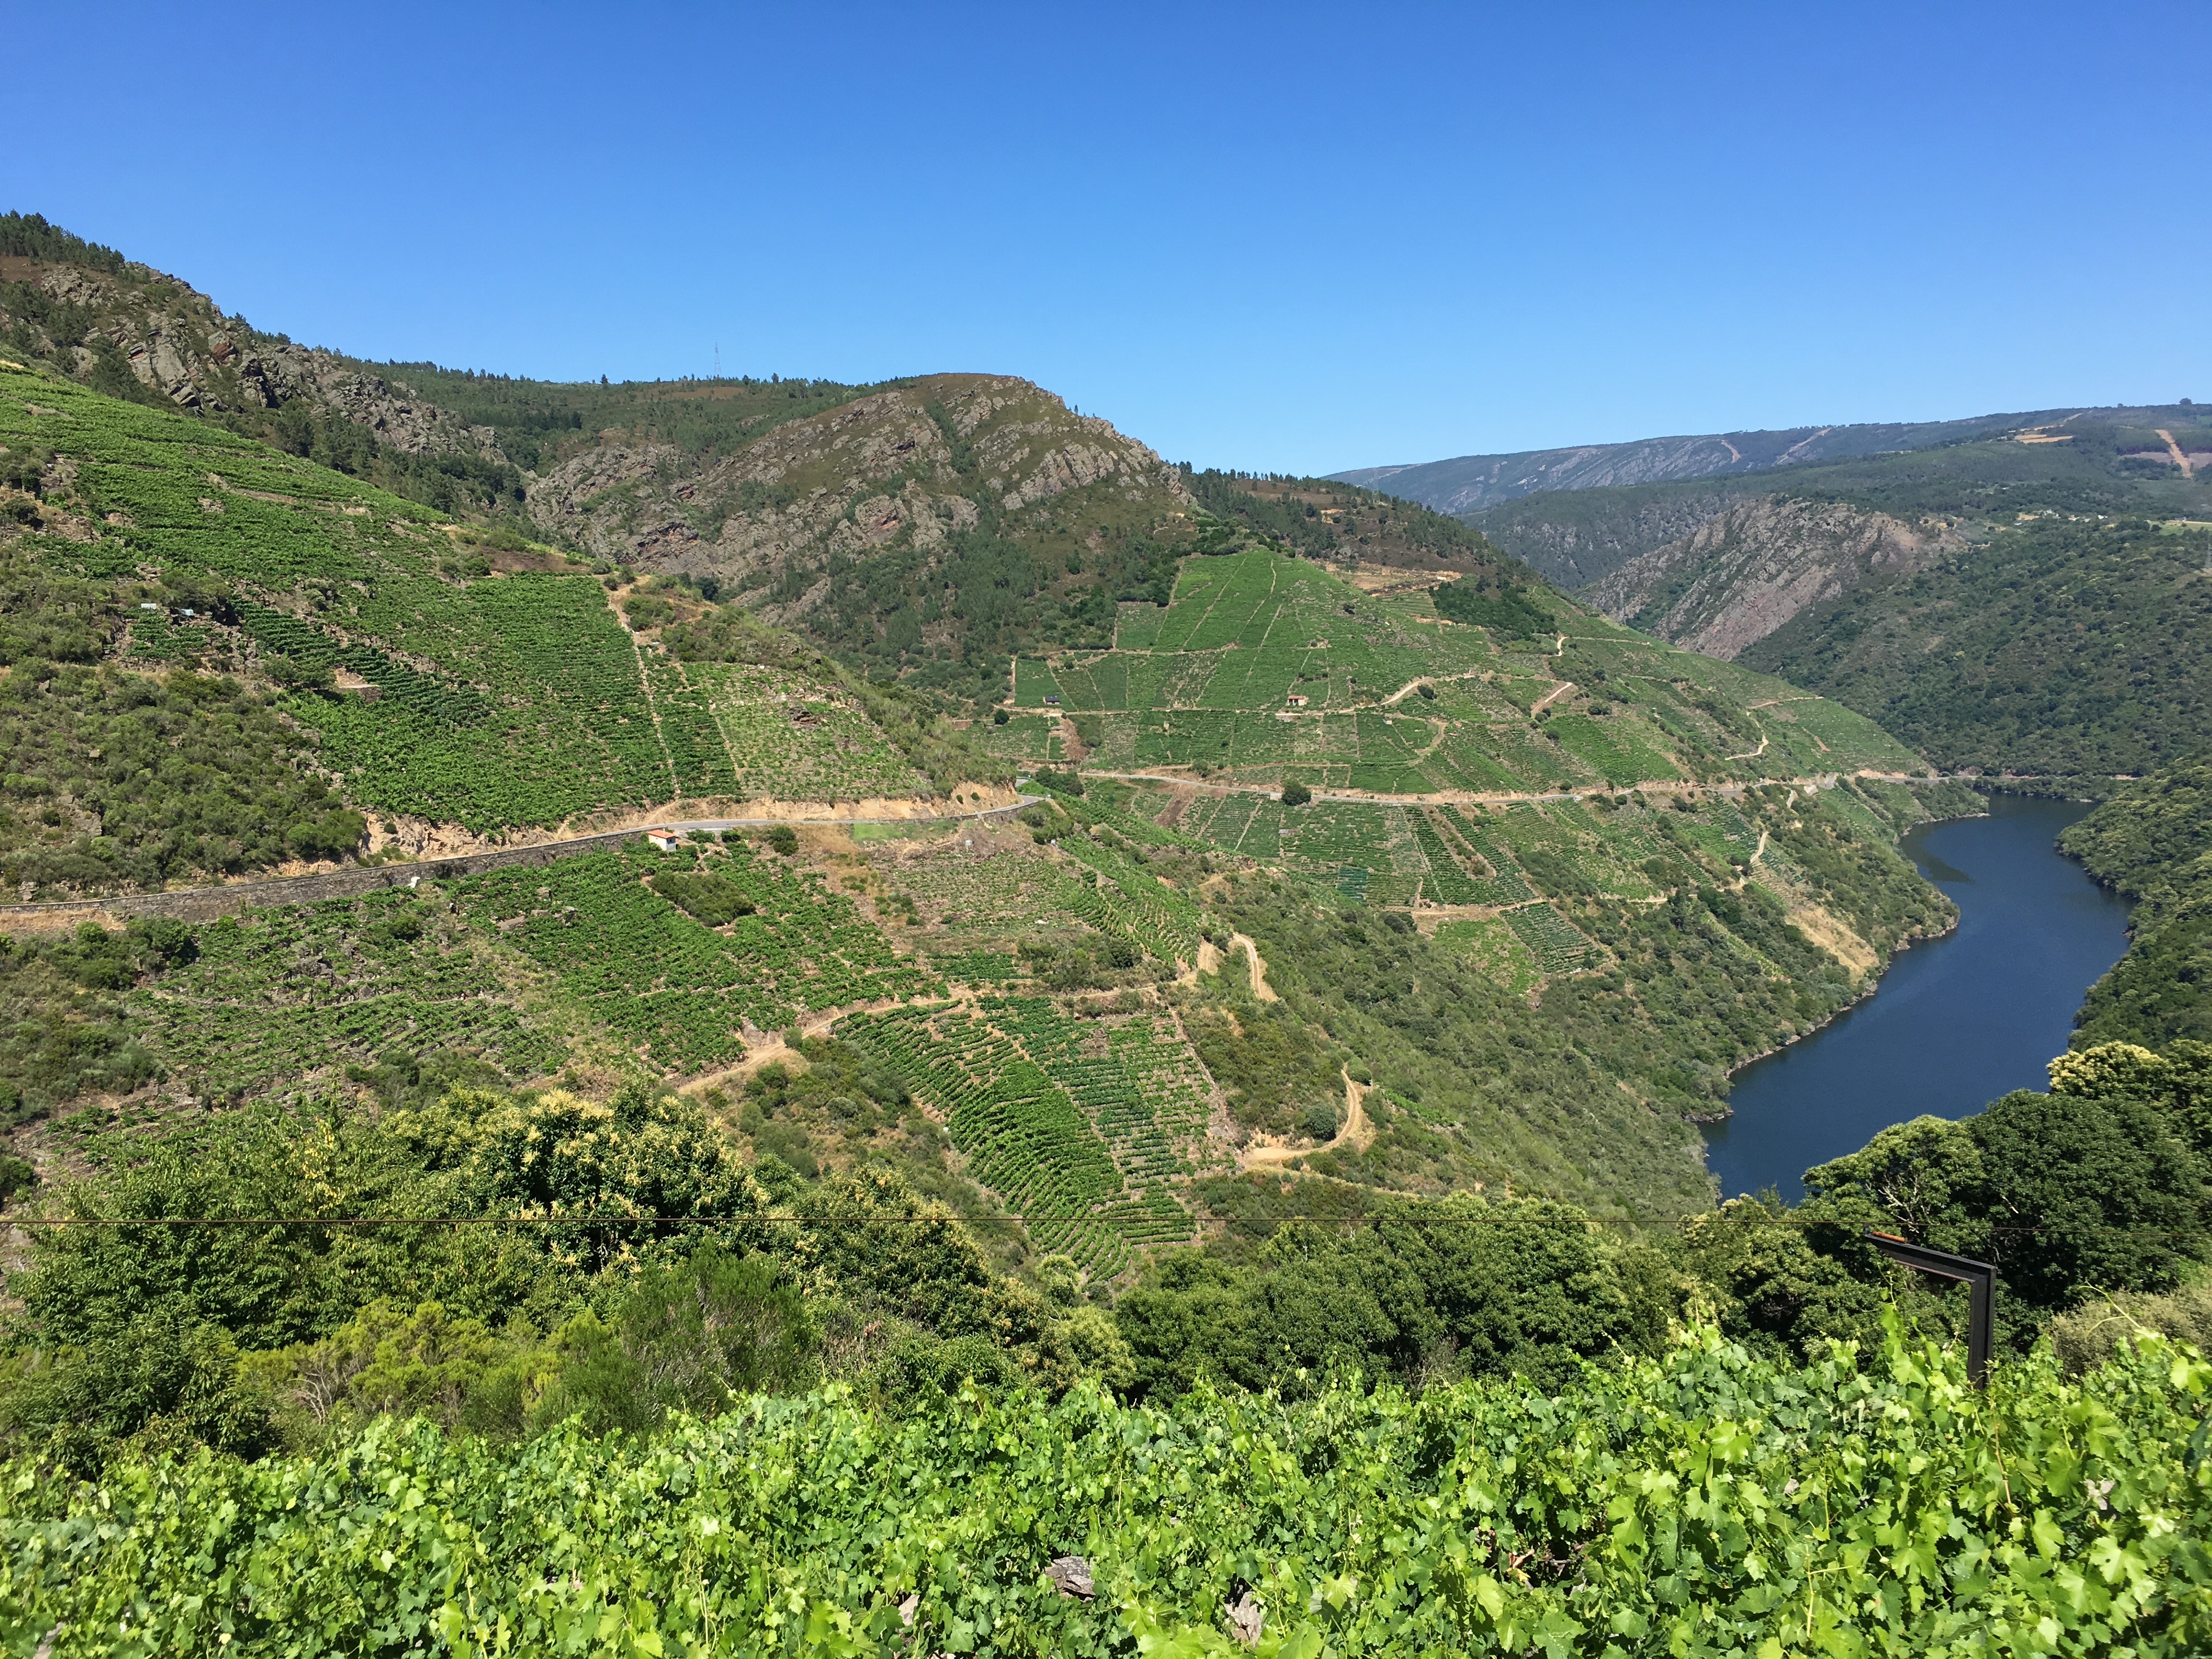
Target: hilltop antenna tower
x=718 y=359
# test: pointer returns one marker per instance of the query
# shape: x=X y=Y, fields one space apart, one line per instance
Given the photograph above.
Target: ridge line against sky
x=1281 y=238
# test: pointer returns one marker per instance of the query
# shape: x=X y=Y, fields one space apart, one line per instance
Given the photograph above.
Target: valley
x=1954 y=1023
x=748 y=947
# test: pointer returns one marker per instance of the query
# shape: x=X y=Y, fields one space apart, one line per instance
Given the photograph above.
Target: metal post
x=1980 y=1276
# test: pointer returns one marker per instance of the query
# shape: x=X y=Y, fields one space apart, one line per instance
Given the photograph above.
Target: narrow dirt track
x=1261 y=988
x=1357 y=1132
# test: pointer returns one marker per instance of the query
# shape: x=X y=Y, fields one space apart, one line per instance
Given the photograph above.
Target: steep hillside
x=2064 y=645
x=1580 y=814
x=428 y=678
x=1268 y=669
x=922 y=529
x=1740 y=576
x=2152 y=841
x=1470 y=483
x=1514 y=800
x=133 y=332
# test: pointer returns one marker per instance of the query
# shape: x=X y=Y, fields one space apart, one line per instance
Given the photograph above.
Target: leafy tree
x=287 y=675
x=2095 y=1187
x=716 y=1327
x=1457 y=1286
x=1506 y=609
x=162 y=1379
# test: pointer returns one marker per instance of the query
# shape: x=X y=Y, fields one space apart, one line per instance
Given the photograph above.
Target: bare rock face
x=175 y=341
x=902 y=468
x=1742 y=574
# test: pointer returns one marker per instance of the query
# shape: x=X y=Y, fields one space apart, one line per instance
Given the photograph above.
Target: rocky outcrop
x=904 y=467
x=1579 y=539
x=175 y=341
x=1742 y=574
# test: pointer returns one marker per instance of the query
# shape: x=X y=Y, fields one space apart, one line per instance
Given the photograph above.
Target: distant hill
x=2092 y=462
x=1746 y=571
x=1468 y=483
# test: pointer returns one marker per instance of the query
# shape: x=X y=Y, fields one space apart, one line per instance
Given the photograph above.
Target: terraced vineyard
x=991 y=905
x=971 y=908
x=791 y=737
x=278 y=996
x=1559 y=946
x=505 y=701
x=1448 y=881
x=1128 y=902
x=1083 y=1125
x=666 y=985
x=698 y=760
x=514 y=968
x=1493 y=943
x=1266 y=668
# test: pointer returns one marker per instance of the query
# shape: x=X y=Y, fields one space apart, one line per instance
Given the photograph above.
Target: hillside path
x=652 y=707
x=1357 y=1132
x=351 y=881
x=1508 y=797
x=2174 y=450
x=1552 y=697
x=1261 y=988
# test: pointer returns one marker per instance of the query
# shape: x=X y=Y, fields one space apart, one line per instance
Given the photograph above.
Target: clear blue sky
x=1265 y=236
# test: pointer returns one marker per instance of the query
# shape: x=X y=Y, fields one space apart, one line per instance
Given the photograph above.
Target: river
x=1957 y=1021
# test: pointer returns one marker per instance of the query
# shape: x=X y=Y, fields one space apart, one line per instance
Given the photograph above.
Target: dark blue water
x=1957 y=1022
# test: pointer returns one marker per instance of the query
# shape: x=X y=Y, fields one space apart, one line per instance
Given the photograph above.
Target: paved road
x=352 y=880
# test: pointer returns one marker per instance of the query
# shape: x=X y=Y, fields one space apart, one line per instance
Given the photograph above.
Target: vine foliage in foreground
x=1703 y=1503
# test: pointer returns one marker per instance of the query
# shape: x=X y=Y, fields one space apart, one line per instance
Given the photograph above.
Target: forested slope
x=2152 y=841
x=2066 y=645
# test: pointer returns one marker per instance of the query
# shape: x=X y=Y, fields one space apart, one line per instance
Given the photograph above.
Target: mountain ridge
x=1468 y=483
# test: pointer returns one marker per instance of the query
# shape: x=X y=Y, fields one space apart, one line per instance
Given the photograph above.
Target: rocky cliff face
x=174 y=341
x=1577 y=538
x=897 y=469
x=1742 y=574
